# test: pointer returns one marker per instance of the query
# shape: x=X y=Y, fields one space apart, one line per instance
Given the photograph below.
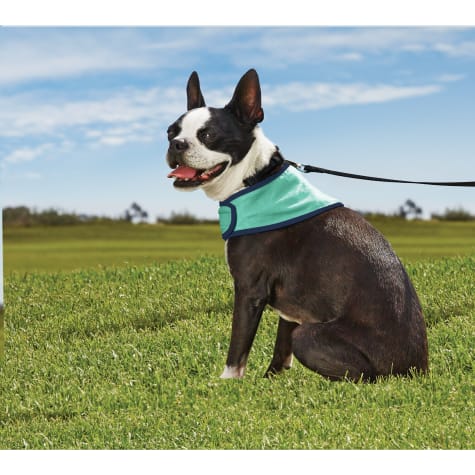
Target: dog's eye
x=205 y=135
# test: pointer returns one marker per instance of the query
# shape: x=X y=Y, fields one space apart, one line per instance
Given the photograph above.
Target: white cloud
x=27 y=154
x=451 y=77
x=37 y=54
x=140 y=114
x=120 y=139
x=280 y=47
x=458 y=49
x=31 y=114
x=350 y=57
x=112 y=140
x=29 y=54
x=300 y=96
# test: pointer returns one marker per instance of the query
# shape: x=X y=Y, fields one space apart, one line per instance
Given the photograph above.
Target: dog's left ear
x=246 y=101
x=193 y=92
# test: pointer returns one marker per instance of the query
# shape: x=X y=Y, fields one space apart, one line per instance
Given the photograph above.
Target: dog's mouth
x=190 y=177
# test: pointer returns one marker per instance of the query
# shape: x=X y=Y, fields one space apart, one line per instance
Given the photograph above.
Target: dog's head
x=216 y=149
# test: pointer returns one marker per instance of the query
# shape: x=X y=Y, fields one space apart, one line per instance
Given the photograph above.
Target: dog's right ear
x=246 y=101
x=193 y=92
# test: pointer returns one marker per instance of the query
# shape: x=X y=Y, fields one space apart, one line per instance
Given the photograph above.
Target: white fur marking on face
x=192 y=122
x=232 y=372
x=198 y=155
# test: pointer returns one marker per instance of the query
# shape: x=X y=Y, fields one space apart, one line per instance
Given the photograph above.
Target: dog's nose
x=178 y=145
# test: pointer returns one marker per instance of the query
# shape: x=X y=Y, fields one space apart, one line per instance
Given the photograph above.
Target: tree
x=410 y=208
x=135 y=213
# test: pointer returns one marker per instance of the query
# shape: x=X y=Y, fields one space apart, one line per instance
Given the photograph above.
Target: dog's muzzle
x=176 y=152
x=178 y=146
x=186 y=176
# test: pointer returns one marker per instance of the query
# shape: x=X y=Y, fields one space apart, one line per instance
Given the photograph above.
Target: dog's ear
x=246 y=101
x=193 y=92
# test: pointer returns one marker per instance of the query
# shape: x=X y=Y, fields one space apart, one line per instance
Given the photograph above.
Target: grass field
x=64 y=248
x=129 y=355
x=120 y=244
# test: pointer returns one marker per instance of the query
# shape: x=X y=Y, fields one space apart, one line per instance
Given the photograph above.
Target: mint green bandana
x=278 y=201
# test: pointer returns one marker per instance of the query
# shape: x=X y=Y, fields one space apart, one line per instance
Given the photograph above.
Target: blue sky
x=83 y=111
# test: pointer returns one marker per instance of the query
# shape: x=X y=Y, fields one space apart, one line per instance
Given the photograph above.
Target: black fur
x=359 y=314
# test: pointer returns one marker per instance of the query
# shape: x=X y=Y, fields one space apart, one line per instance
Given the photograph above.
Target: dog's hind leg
x=282 y=358
x=330 y=350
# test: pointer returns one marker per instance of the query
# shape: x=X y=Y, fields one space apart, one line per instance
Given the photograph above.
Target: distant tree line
x=410 y=210
x=458 y=214
x=23 y=216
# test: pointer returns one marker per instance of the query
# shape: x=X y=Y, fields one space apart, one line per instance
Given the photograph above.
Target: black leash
x=312 y=169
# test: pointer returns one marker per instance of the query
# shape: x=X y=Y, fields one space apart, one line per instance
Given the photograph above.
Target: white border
x=235 y=462
x=242 y=13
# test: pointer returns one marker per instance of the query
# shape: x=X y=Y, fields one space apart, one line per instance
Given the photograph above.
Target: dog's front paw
x=232 y=372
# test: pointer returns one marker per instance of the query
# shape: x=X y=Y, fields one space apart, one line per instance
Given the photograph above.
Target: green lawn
x=129 y=356
x=89 y=246
x=120 y=244
x=416 y=240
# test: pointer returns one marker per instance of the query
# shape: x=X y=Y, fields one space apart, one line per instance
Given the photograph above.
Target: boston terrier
x=347 y=309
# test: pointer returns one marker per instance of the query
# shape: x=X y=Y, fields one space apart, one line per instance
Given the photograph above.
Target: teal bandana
x=278 y=201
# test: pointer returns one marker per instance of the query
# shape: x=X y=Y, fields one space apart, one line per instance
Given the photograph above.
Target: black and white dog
x=347 y=307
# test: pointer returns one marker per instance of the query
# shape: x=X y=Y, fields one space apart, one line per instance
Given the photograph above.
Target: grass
x=111 y=342
x=416 y=240
x=65 y=248
x=129 y=357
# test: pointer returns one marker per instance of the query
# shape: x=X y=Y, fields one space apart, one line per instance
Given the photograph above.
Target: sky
x=84 y=110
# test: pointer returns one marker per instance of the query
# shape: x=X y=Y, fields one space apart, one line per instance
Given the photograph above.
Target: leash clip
x=301 y=168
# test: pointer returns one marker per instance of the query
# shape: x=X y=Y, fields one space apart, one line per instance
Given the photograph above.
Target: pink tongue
x=183 y=172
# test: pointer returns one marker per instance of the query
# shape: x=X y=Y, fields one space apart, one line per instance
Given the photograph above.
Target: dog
x=347 y=308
